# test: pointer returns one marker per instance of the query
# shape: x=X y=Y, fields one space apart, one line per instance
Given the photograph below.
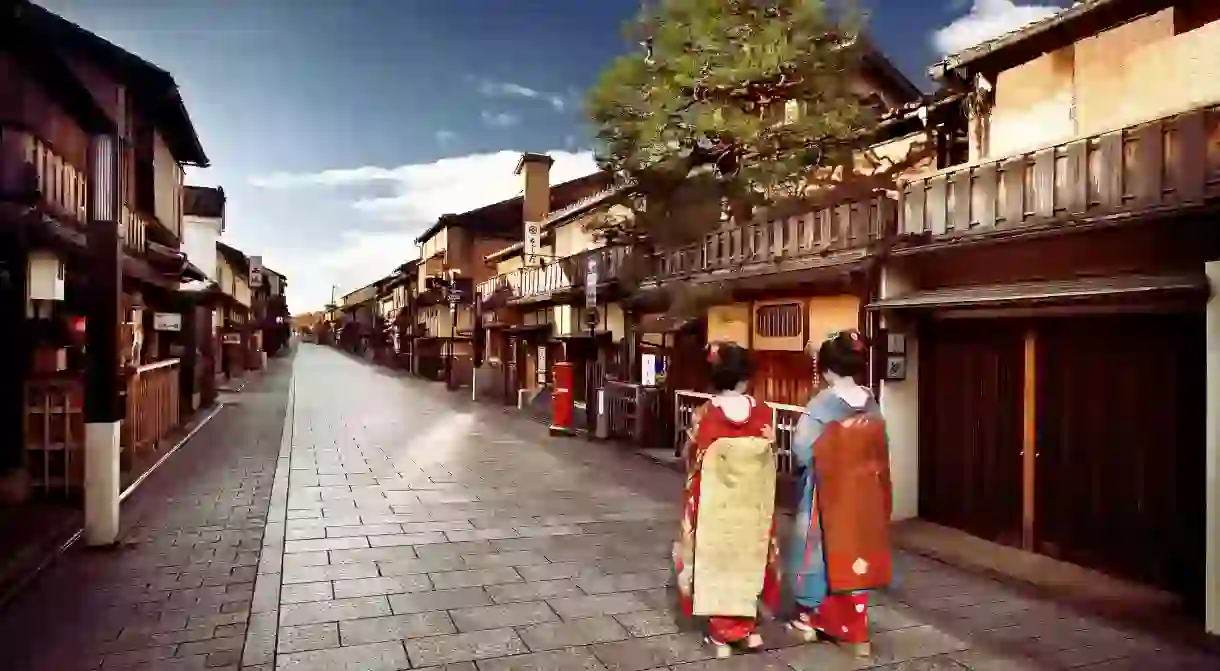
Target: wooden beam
x=1029 y=440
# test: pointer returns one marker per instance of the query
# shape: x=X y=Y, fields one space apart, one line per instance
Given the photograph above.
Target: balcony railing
x=30 y=168
x=821 y=232
x=132 y=229
x=1167 y=163
x=555 y=275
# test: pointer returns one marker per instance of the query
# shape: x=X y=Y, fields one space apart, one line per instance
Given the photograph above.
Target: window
x=779 y=321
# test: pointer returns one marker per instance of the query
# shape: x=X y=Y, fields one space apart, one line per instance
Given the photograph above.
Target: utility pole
x=591 y=317
x=105 y=396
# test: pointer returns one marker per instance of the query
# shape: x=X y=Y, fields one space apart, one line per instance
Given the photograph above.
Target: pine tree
x=744 y=102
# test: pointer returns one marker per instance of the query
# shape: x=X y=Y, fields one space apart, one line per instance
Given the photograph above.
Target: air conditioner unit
x=46 y=277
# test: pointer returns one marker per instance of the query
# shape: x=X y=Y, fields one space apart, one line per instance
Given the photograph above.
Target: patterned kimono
x=840 y=544
x=727 y=556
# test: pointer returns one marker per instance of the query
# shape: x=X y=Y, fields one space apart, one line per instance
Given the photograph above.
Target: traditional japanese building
x=1050 y=308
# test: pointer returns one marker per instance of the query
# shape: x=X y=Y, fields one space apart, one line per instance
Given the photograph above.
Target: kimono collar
x=846 y=388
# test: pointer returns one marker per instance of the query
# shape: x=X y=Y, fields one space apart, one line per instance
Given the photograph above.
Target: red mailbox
x=561 y=399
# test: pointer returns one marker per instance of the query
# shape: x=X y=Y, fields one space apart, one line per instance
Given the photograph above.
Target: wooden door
x=970 y=425
x=1120 y=466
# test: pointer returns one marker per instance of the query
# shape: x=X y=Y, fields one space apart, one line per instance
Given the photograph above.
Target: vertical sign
x=648 y=370
x=256 y=272
x=542 y=364
x=533 y=236
x=591 y=280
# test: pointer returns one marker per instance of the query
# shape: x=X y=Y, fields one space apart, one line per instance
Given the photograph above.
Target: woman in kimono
x=726 y=556
x=840 y=547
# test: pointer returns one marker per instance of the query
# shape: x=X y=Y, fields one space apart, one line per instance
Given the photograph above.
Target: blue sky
x=341 y=128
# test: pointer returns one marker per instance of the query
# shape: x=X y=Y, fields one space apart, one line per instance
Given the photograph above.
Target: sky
x=341 y=129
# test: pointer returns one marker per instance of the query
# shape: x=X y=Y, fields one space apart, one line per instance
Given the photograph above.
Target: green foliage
x=737 y=99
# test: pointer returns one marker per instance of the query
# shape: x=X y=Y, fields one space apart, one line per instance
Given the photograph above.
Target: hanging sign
x=895 y=356
x=532 y=241
x=256 y=272
x=167 y=321
x=648 y=370
x=591 y=280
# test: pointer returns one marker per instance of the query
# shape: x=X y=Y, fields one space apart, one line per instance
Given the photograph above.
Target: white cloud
x=494 y=89
x=987 y=19
x=445 y=136
x=500 y=120
x=384 y=236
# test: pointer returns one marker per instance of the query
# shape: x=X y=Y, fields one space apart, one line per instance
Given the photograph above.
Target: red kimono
x=713 y=430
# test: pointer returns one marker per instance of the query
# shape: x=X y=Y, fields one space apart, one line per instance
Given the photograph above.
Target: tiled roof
x=1016 y=35
x=203 y=201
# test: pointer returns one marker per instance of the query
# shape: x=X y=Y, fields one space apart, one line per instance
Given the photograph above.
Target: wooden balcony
x=32 y=172
x=1163 y=165
x=555 y=276
x=784 y=244
x=132 y=229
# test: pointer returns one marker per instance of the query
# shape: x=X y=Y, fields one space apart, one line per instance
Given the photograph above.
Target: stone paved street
x=397 y=526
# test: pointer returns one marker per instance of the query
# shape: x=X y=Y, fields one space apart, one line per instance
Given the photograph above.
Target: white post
x=1212 y=562
x=102 y=448
x=900 y=407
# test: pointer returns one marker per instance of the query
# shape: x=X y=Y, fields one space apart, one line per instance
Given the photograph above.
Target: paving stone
x=386 y=585
x=648 y=622
x=307 y=637
x=495 y=617
x=363 y=530
x=408 y=566
x=553 y=571
x=531 y=591
x=517 y=558
x=307 y=591
x=371 y=555
x=395 y=627
x=333 y=611
x=419 y=602
x=388 y=656
x=478 y=645
x=638 y=654
x=624 y=582
x=475 y=577
x=555 y=635
x=317 y=544
x=301 y=574
x=571 y=608
x=575 y=659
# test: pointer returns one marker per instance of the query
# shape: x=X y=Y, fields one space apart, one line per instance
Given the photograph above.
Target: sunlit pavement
x=406 y=527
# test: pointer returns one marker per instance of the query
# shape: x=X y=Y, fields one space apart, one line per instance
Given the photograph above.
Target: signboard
x=542 y=364
x=231 y=339
x=532 y=240
x=591 y=281
x=167 y=321
x=256 y=272
x=648 y=370
x=895 y=356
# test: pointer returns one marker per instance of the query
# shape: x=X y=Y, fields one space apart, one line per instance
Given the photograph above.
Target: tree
x=740 y=102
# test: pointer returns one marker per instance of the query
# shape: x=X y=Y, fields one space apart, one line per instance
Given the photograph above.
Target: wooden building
x=531 y=307
x=60 y=86
x=1054 y=300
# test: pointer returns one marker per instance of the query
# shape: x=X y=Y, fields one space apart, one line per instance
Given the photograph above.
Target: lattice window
x=784 y=320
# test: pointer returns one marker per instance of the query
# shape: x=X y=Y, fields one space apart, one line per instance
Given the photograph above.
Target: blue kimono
x=806 y=565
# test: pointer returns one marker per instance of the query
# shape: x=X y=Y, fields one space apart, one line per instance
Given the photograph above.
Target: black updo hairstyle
x=730 y=364
x=845 y=354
